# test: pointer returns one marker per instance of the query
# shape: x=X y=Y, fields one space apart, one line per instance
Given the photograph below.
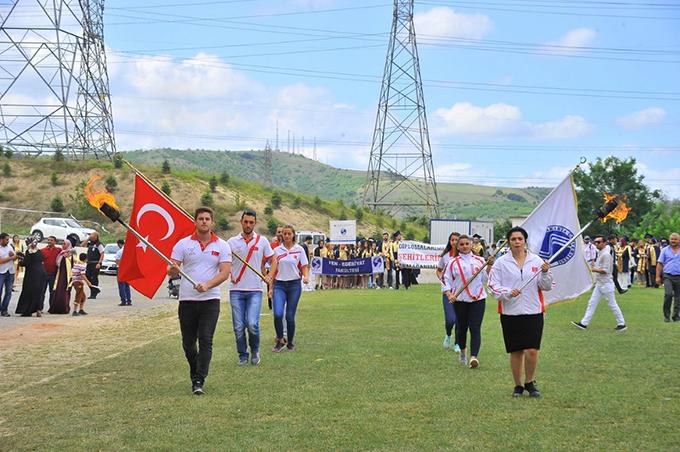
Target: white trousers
x=605 y=291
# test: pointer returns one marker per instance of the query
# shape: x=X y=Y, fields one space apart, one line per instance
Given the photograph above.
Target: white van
x=300 y=236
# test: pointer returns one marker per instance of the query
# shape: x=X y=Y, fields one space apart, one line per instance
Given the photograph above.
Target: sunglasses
x=598 y=241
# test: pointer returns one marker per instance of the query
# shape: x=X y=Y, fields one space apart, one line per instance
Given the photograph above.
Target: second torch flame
x=620 y=212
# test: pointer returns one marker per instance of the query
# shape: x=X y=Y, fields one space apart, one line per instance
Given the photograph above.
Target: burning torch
x=106 y=204
x=615 y=208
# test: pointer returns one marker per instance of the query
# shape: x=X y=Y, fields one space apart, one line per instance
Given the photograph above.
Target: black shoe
x=518 y=391
x=81 y=312
x=620 y=328
x=122 y=303
x=5 y=314
x=676 y=319
x=129 y=303
x=75 y=314
x=532 y=389
x=579 y=325
x=197 y=388
x=666 y=319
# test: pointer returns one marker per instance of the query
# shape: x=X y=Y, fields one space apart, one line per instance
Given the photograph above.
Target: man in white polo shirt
x=207 y=260
x=245 y=292
x=7 y=258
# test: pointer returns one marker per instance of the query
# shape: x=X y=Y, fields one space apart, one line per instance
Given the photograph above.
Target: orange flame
x=620 y=212
x=97 y=196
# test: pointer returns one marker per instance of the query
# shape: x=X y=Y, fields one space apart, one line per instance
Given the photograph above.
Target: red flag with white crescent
x=163 y=224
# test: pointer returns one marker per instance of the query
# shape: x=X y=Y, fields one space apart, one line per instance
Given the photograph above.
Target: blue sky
x=516 y=91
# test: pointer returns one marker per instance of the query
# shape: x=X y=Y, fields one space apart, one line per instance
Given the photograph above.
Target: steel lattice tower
x=401 y=157
x=54 y=86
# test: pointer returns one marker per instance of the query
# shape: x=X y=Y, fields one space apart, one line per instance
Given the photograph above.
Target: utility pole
x=401 y=133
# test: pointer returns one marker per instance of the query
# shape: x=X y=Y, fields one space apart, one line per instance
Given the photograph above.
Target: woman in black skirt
x=521 y=311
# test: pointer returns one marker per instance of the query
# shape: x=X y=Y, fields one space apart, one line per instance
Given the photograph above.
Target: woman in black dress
x=33 y=288
x=61 y=299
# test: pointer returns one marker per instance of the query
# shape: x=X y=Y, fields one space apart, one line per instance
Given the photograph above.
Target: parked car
x=109 y=266
x=60 y=228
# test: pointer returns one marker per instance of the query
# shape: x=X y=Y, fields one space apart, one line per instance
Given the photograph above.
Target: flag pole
x=176 y=204
x=554 y=256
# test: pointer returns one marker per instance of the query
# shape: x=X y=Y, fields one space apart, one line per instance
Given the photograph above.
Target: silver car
x=109 y=266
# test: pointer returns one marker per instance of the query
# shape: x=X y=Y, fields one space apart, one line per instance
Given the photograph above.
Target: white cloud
x=444 y=22
x=504 y=120
x=664 y=179
x=572 y=42
x=642 y=118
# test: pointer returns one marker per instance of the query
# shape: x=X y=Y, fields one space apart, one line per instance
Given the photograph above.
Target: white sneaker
x=463 y=359
x=456 y=348
x=474 y=362
x=447 y=342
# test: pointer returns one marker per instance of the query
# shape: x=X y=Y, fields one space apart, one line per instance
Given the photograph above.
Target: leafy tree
x=111 y=183
x=6 y=170
x=268 y=210
x=55 y=179
x=213 y=184
x=207 y=199
x=223 y=224
x=276 y=200
x=272 y=224
x=501 y=228
x=165 y=167
x=165 y=188
x=117 y=161
x=57 y=205
x=224 y=178
x=616 y=176
x=297 y=202
x=663 y=219
x=58 y=156
x=8 y=153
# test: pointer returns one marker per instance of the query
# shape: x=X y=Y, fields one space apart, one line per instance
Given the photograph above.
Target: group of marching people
x=517 y=280
x=249 y=260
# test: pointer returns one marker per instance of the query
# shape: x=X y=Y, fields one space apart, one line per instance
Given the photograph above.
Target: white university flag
x=550 y=226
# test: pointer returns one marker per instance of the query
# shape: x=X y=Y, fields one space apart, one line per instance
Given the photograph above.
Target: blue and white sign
x=343 y=232
x=336 y=267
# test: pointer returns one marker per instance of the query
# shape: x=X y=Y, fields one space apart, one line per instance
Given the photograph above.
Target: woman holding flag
x=469 y=303
x=522 y=310
x=449 y=253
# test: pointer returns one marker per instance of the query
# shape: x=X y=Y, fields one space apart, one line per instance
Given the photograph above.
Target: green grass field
x=369 y=373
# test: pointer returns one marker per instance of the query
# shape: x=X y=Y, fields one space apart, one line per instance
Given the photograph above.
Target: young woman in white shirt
x=293 y=268
x=449 y=253
x=522 y=310
x=471 y=302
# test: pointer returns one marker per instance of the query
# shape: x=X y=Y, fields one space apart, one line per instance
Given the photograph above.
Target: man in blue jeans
x=245 y=292
x=123 y=287
x=7 y=258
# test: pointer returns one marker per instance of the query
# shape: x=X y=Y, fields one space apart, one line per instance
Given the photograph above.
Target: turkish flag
x=163 y=224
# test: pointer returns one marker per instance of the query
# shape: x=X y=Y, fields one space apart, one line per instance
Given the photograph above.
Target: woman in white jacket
x=471 y=302
x=522 y=310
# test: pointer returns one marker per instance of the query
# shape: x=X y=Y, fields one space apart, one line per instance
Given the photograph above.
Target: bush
x=268 y=210
x=55 y=179
x=8 y=153
x=237 y=200
x=223 y=224
x=343 y=215
x=276 y=200
x=57 y=205
x=58 y=156
x=7 y=170
x=165 y=188
x=117 y=161
x=359 y=215
x=111 y=183
x=224 y=178
x=297 y=202
x=207 y=199
x=272 y=224
x=317 y=202
x=165 y=167
x=213 y=184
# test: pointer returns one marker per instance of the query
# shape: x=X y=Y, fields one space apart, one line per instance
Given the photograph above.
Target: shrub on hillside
x=213 y=184
x=165 y=188
x=57 y=205
x=207 y=199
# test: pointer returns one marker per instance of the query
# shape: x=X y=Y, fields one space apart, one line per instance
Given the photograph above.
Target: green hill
x=301 y=174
